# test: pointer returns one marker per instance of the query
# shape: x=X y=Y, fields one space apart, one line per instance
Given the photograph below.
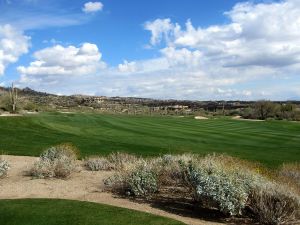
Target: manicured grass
x=271 y=142
x=66 y=212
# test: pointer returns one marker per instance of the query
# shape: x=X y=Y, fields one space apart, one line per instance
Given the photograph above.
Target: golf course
x=269 y=142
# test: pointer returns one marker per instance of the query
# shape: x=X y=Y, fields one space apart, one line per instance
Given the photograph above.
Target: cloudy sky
x=191 y=49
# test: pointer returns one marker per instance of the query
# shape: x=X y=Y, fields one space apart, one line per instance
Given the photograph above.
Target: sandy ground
x=84 y=185
x=200 y=118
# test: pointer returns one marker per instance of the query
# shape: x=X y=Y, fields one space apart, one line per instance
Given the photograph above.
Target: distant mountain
x=3 y=90
x=25 y=91
x=29 y=91
x=117 y=104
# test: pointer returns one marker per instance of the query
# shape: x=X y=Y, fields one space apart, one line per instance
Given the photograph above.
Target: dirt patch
x=84 y=185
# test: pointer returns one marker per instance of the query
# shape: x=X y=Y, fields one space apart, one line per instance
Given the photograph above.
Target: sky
x=170 y=49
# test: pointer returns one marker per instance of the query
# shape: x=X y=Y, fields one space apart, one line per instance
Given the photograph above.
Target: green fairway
x=66 y=212
x=271 y=142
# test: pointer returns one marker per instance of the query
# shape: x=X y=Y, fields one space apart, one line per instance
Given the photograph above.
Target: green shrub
x=5 y=103
x=29 y=106
x=4 y=167
x=58 y=161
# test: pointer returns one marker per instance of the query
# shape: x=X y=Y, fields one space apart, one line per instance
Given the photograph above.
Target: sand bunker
x=240 y=118
x=200 y=118
x=9 y=115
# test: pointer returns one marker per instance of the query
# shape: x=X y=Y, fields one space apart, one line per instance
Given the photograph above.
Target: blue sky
x=162 y=49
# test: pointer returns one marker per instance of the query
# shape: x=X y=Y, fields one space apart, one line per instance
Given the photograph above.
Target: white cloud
x=232 y=93
x=59 y=61
x=127 y=67
x=182 y=57
x=169 y=76
x=256 y=55
x=13 y=44
x=91 y=7
x=258 y=34
x=161 y=29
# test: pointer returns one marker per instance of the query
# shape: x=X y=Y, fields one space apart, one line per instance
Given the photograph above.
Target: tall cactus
x=13 y=94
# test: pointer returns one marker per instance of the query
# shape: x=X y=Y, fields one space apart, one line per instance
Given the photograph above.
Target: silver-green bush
x=142 y=181
x=233 y=186
x=4 y=167
x=43 y=168
x=138 y=180
x=58 y=161
x=217 y=185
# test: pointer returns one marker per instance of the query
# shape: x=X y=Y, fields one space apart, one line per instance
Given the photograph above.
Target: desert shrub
x=43 y=168
x=291 y=172
x=139 y=180
x=168 y=168
x=120 y=160
x=274 y=204
x=4 y=167
x=30 y=106
x=98 y=163
x=231 y=185
x=142 y=181
x=59 y=151
x=117 y=183
x=5 y=102
x=216 y=185
x=58 y=161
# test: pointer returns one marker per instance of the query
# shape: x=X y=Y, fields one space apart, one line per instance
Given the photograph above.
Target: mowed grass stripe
x=271 y=142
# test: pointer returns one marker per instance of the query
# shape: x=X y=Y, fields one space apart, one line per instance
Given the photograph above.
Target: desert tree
x=264 y=109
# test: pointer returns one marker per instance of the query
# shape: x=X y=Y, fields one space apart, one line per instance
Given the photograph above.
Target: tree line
x=269 y=110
